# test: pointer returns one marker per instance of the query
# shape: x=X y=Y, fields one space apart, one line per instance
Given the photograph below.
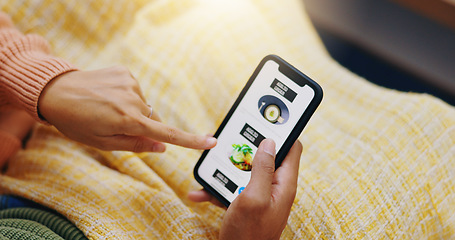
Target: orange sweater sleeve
x=26 y=66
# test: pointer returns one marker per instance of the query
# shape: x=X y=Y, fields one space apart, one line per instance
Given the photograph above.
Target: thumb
x=260 y=184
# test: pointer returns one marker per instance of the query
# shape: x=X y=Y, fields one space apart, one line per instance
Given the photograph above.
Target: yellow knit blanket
x=376 y=163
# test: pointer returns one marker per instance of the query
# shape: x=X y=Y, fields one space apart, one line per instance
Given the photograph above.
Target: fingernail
x=159 y=147
x=269 y=146
x=211 y=142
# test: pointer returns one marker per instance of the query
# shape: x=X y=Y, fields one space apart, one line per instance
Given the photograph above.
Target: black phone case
x=299 y=78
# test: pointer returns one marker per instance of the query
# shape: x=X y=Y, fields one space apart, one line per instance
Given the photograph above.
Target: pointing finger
x=164 y=133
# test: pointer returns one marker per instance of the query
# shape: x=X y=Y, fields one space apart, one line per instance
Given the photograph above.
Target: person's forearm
x=26 y=66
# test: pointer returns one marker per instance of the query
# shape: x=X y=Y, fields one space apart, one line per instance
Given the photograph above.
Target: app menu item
x=272 y=106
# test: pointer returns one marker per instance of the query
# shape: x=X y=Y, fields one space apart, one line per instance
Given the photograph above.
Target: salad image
x=242 y=157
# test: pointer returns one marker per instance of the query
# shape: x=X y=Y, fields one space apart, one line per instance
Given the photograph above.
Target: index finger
x=164 y=133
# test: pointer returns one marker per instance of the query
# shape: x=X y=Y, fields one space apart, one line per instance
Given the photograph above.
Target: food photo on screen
x=242 y=156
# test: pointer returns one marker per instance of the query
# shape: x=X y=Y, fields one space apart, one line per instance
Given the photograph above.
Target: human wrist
x=53 y=68
x=26 y=69
x=45 y=101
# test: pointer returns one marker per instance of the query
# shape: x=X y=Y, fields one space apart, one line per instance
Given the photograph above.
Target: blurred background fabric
x=377 y=163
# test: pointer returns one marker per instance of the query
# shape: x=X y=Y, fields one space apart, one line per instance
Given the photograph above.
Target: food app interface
x=270 y=109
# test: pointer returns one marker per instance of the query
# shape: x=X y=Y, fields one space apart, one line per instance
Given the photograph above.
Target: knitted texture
x=376 y=163
x=52 y=222
x=26 y=67
x=16 y=229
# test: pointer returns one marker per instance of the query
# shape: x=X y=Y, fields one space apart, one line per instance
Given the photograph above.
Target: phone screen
x=272 y=105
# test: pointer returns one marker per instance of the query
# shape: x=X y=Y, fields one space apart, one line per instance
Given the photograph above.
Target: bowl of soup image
x=273 y=109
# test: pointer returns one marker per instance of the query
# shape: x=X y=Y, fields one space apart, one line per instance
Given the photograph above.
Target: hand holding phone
x=268 y=196
x=276 y=103
x=262 y=210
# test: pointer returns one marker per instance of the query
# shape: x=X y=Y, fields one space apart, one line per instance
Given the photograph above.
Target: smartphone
x=277 y=102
